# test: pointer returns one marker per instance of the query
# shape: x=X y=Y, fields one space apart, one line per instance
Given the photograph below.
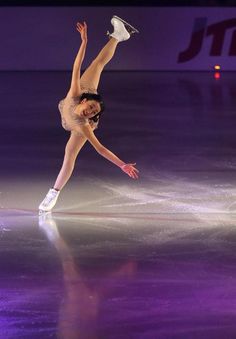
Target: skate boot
x=122 y=29
x=49 y=201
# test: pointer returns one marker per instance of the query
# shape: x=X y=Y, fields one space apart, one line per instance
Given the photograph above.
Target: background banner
x=45 y=38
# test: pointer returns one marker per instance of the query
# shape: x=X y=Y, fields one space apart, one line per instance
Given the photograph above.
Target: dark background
x=162 y=3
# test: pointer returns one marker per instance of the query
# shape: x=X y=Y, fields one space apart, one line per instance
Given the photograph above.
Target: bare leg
x=91 y=77
x=73 y=146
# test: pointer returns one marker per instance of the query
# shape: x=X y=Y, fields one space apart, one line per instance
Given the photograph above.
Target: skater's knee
x=71 y=151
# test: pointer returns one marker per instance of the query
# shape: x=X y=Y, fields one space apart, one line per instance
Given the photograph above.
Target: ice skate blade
x=130 y=29
x=42 y=212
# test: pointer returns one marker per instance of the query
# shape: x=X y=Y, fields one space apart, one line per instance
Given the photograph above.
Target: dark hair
x=95 y=97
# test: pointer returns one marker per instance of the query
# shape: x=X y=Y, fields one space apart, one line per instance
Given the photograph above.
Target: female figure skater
x=82 y=106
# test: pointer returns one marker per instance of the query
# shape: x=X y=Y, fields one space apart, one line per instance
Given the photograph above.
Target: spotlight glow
x=217 y=75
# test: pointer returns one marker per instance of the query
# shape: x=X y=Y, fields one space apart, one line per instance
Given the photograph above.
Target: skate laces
x=49 y=198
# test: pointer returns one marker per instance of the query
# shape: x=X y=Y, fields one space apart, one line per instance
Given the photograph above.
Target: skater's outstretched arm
x=75 y=80
x=106 y=153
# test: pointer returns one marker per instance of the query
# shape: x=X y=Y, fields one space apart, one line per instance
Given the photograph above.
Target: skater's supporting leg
x=72 y=149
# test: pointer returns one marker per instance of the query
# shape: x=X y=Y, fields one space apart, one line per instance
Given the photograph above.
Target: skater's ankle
x=56 y=189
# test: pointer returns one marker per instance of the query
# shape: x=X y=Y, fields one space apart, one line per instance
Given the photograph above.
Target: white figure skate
x=49 y=201
x=122 y=29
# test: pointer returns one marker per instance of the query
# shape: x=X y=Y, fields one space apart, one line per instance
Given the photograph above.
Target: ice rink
x=118 y=258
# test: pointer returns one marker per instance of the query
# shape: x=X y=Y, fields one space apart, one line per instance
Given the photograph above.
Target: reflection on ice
x=81 y=303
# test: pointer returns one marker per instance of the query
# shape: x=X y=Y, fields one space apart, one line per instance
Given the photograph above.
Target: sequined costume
x=67 y=106
x=69 y=119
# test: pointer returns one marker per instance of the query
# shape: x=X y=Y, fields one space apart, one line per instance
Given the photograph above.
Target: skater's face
x=89 y=108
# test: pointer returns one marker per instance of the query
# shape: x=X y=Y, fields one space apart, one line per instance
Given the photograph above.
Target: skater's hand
x=130 y=170
x=82 y=28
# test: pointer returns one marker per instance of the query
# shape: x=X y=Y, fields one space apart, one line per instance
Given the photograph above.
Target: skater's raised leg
x=91 y=76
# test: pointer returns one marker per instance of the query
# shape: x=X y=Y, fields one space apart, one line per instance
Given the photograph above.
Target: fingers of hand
x=81 y=27
x=132 y=168
x=132 y=174
x=135 y=169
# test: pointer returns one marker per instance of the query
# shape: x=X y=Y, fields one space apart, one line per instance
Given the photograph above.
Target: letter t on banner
x=196 y=40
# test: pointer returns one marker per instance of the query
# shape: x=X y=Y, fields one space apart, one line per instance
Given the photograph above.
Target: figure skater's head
x=91 y=106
